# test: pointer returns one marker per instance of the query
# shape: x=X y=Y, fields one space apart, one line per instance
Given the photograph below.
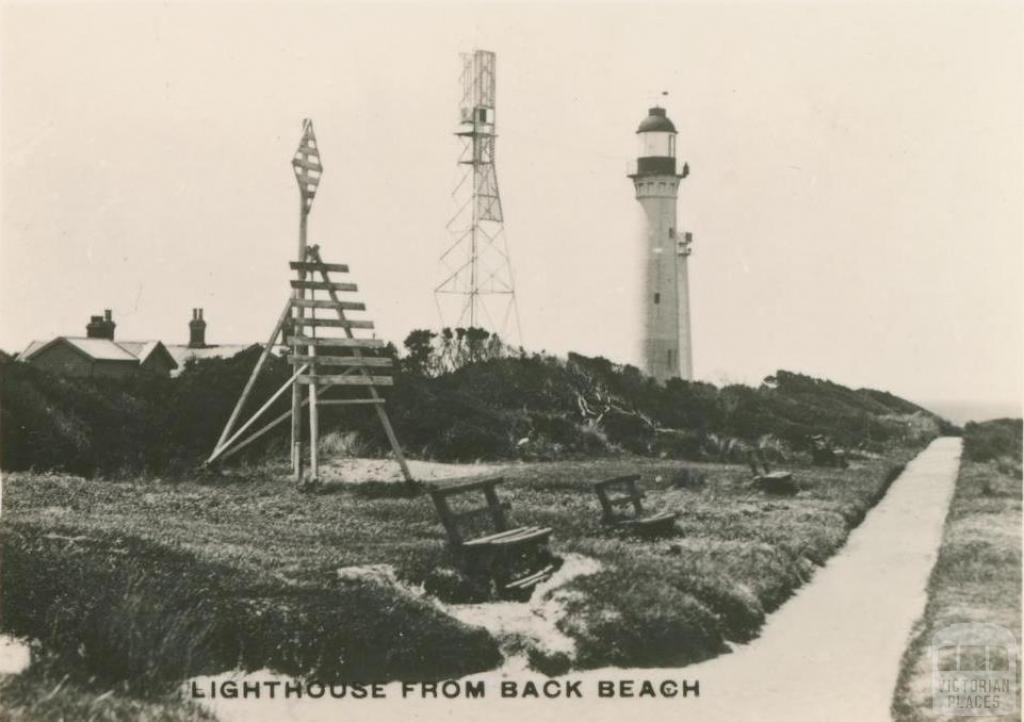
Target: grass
x=147 y=583
x=46 y=692
x=977 y=576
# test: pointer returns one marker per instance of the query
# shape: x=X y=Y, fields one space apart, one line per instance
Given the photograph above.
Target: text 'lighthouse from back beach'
x=666 y=350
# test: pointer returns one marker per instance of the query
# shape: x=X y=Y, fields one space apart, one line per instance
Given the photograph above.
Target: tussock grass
x=977 y=576
x=150 y=583
x=156 y=613
x=47 y=692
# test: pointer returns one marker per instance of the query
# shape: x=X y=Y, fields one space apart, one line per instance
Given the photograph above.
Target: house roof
x=138 y=349
x=31 y=349
x=100 y=349
x=143 y=350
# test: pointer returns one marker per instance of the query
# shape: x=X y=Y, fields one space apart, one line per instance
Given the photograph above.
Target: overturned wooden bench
x=622 y=506
x=768 y=481
x=516 y=558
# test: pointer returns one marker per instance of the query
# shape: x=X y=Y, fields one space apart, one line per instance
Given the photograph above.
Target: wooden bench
x=515 y=558
x=622 y=491
x=768 y=481
x=825 y=453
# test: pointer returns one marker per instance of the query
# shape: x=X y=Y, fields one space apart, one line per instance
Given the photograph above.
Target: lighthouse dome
x=656 y=122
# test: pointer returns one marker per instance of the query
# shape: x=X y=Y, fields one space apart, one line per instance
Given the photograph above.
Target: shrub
x=456 y=397
x=645 y=623
x=990 y=440
x=151 y=615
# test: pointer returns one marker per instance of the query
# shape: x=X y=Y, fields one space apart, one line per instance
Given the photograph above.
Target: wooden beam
x=333 y=323
x=378 y=361
x=324 y=285
x=481 y=485
x=314 y=429
x=278 y=419
x=382 y=414
x=305 y=203
x=349 y=402
x=317 y=266
x=341 y=305
x=347 y=380
x=229 y=427
x=257 y=434
x=340 y=342
x=287 y=385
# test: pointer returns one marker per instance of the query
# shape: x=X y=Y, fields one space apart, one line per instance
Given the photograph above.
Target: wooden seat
x=522 y=535
x=623 y=491
x=532 y=580
x=768 y=481
x=516 y=558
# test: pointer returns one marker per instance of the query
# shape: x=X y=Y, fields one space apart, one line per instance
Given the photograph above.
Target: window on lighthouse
x=657 y=144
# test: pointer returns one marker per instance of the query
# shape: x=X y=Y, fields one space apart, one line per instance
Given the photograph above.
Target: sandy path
x=357 y=470
x=830 y=653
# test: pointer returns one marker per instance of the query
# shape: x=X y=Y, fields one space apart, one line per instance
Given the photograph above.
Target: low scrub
x=457 y=397
x=994 y=440
x=49 y=692
x=155 y=614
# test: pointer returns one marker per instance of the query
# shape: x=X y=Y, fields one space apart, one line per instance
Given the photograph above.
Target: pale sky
x=855 y=191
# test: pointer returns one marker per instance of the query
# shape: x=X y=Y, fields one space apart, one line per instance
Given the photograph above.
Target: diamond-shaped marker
x=306 y=164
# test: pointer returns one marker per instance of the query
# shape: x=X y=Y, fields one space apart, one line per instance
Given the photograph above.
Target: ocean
x=960 y=411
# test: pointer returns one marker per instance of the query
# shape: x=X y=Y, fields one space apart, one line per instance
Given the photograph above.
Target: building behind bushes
x=99 y=355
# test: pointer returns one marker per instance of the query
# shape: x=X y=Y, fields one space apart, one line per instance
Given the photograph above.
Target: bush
x=151 y=615
x=645 y=623
x=456 y=397
x=992 y=440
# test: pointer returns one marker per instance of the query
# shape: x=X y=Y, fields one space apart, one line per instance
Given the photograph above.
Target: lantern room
x=657 y=144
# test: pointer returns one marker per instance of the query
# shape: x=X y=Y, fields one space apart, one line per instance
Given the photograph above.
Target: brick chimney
x=101 y=326
x=197 y=330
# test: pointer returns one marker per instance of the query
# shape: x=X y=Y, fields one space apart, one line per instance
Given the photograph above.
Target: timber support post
x=318 y=361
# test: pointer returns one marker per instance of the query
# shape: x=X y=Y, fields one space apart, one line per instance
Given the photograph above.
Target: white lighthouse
x=666 y=349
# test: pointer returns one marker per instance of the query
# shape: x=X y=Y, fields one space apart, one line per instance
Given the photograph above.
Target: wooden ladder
x=362 y=368
x=349 y=362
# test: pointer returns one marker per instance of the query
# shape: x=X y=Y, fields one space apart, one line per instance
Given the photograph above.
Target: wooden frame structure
x=515 y=558
x=316 y=371
x=630 y=495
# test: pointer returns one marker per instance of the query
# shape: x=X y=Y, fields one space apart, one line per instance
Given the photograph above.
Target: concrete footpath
x=833 y=651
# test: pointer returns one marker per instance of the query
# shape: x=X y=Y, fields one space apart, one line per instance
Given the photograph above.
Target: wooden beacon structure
x=321 y=359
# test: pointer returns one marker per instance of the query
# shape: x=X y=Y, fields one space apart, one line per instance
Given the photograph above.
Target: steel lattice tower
x=478 y=287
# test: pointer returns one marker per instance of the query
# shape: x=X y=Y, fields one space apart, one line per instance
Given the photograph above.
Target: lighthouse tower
x=666 y=349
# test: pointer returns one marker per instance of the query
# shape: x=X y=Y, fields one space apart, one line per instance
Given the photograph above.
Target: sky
x=854 y=195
